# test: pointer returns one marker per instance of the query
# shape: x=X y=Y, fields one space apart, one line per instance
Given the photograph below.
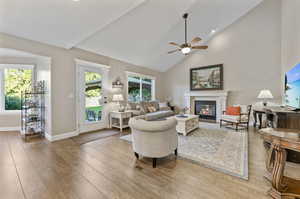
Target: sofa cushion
x=136 y=112
x=234 y=118
x=158 y=115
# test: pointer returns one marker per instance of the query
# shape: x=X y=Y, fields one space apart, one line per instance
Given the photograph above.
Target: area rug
x=221 y=149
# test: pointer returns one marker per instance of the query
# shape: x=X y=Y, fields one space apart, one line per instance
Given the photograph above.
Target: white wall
x=43 y=72
x=250 y=50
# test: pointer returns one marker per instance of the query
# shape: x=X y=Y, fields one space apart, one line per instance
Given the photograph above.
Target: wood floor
x=107 y=168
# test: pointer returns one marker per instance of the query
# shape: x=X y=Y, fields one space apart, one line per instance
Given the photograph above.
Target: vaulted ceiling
x=135 y=31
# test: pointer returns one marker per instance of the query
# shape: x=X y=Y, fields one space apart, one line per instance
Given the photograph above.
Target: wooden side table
x=280 y=140
x=119 y=119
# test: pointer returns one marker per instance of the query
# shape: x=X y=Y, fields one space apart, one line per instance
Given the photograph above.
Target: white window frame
x=141 y=76
x=2 y=83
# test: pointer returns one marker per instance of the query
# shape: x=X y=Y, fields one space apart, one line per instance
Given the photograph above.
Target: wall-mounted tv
x=292 y=87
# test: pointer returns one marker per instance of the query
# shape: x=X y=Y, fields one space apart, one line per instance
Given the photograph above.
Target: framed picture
x=206 y=78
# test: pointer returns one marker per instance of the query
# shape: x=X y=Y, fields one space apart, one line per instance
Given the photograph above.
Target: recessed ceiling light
x=76 y=0
x=213 y=31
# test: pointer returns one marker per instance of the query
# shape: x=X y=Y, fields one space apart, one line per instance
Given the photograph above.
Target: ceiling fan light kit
x=186 y=48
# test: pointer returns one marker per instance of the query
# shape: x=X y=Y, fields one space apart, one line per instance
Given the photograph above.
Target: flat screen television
x=292 y=87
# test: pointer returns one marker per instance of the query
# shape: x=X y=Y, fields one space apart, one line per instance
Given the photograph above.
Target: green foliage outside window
x=93 y=84
x=16 y=81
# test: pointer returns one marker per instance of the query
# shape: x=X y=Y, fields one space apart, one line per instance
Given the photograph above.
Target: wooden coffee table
x=187 y=124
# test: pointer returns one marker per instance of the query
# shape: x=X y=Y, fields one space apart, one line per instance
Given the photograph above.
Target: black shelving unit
x=33 y=111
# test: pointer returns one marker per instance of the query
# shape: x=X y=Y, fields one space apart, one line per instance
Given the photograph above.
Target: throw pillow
x=233 y=110
x=151 y=109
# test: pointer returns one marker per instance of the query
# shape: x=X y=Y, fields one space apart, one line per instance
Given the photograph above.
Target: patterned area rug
x=221 y=149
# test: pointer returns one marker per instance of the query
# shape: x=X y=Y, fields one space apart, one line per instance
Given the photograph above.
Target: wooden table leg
x=260 y=120
x=255 y=119
x=277 y=172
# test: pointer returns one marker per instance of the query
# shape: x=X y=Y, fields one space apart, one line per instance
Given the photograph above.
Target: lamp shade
x=265 y=94
x=117 y=97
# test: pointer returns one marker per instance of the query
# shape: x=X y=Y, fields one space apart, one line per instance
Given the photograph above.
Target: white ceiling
x=135 y=31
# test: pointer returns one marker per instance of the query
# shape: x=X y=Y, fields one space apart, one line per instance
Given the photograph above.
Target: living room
x=173 y=107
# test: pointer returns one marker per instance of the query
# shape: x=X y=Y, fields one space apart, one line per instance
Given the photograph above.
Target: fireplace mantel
x=207 y=94
x=219 y=96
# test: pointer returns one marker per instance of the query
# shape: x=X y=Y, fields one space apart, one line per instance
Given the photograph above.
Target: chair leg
x=176 y=152
x=136 y=155
x=154 y=162
x=236 y=127
x=220 y=123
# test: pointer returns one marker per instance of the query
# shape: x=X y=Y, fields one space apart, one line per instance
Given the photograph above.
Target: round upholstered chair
x=154 y=139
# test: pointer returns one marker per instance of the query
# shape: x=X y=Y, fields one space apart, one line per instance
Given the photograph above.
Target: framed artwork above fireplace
x=206 y=78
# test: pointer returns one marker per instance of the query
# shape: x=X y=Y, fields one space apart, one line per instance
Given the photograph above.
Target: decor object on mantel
x=187 y=47
x=118 y=98
x=223 y=150
x=265 y=94
x=206 y=78
x=117 y=84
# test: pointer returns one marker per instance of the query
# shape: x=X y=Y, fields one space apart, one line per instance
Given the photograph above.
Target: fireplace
x=206 y=109
x=219 y=97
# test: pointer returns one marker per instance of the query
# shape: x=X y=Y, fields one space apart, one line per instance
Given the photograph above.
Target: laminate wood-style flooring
x=107 y=168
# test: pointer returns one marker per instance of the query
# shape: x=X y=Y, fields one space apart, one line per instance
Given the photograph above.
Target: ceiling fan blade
x=195 y=40
x=173 y=43
x=173 y=51
x=199 y=47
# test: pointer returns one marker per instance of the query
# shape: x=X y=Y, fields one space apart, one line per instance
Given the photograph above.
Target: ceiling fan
x=187 y=47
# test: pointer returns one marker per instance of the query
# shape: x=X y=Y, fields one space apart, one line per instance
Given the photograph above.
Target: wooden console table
x=283 y=117
x=280 y=140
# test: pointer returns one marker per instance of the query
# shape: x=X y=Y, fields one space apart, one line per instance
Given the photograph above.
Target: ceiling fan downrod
x=185 y=16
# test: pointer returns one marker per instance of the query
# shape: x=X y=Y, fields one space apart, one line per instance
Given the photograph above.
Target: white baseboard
x=14 y=128
x=62 y=136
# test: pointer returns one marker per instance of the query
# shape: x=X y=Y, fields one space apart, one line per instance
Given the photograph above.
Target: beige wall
x=250 y=50
x=63 y=81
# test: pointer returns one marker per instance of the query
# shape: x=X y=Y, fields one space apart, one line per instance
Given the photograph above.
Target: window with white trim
x=14 y=79
x=140 y=87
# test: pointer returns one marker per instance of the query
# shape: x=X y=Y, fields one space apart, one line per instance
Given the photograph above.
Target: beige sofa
x=153 y=139
x=142 y=108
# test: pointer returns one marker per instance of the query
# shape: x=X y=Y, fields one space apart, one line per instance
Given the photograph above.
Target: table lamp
x=118 y=98
x=265 y=94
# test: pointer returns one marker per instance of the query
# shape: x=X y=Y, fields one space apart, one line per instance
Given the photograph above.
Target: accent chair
x=237 y=119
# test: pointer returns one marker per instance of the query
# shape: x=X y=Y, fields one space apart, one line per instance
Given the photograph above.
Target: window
x=93 y=95
x=140 y=87
x=15 y=79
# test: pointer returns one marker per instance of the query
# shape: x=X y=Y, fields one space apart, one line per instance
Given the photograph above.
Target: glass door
x=90 y=99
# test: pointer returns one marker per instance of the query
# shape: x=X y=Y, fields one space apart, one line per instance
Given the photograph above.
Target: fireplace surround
x=220 y=98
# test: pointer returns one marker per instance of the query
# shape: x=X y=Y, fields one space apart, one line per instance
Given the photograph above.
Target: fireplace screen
x=205 y=109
